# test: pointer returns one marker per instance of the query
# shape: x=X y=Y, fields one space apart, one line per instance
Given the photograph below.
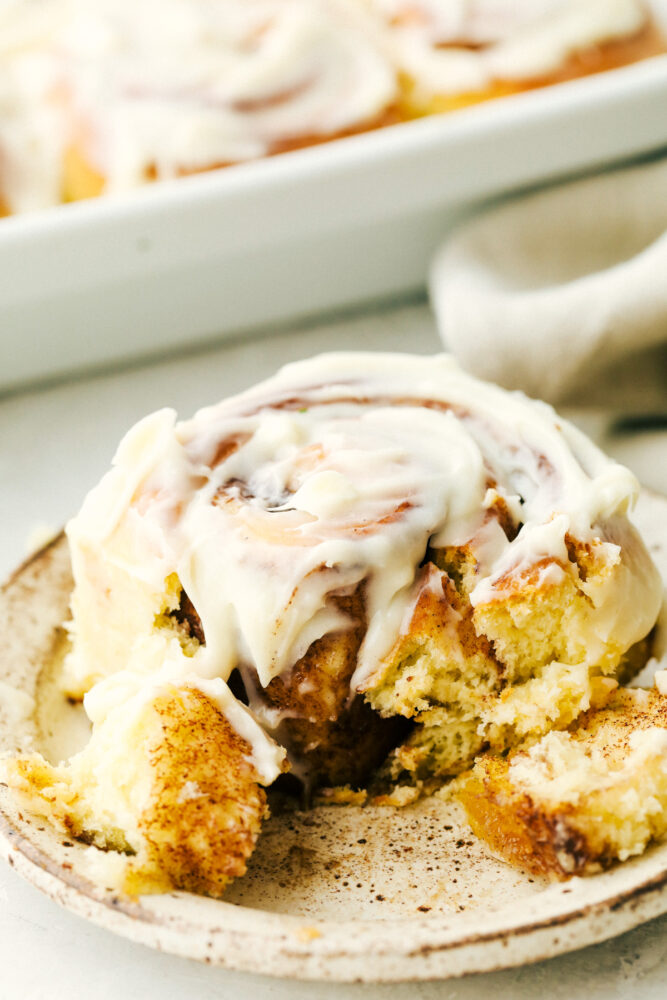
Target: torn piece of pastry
x=455 y=54
x=581 y=798
x=171 y=777
x=387 y=564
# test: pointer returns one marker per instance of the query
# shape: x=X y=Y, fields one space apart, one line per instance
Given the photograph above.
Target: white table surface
x=54 y=445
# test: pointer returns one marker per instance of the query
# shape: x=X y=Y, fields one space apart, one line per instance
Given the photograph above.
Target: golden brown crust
x=206 y=808
x=516 y=828
x=80 y=179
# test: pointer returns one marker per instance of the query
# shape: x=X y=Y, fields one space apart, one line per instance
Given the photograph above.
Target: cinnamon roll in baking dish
x=105 y=95
x=366 y=571
x=171 y=88
x=454 y=54
x=162 y=88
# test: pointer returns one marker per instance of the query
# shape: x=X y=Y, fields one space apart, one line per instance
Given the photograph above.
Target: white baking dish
x=341 y=223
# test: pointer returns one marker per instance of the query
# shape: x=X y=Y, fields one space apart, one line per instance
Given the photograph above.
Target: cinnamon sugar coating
x=174 y=789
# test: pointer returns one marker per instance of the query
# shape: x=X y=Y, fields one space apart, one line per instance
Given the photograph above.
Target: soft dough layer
x=577 y=799
x=528 y=661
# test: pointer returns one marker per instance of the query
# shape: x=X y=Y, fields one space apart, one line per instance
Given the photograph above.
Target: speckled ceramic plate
x=368 y=894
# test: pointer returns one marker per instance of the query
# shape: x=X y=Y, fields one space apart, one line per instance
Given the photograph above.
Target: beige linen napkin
x=546 y=292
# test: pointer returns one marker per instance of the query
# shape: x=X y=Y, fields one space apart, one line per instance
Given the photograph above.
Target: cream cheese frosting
x=167 y=86
x=455 y=46
x=338 y=472
x=183 y=85
x=547 y=768
x=132 y=91
x=31 y=126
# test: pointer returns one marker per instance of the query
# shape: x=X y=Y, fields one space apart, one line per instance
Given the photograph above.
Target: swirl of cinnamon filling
x=306 y=530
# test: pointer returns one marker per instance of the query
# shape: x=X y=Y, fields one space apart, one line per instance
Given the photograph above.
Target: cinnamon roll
x=367 y=569
x=105 y=95
x=455 y=54
x=174 y=88
x=31 y=125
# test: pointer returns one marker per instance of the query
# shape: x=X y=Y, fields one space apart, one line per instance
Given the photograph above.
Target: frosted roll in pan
x=102 y=97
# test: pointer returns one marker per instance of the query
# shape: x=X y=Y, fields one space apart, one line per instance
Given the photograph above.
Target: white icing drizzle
x=339 y=472
x=454 y=46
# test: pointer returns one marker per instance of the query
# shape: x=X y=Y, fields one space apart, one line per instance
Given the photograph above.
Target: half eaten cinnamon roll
x=366 y=570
